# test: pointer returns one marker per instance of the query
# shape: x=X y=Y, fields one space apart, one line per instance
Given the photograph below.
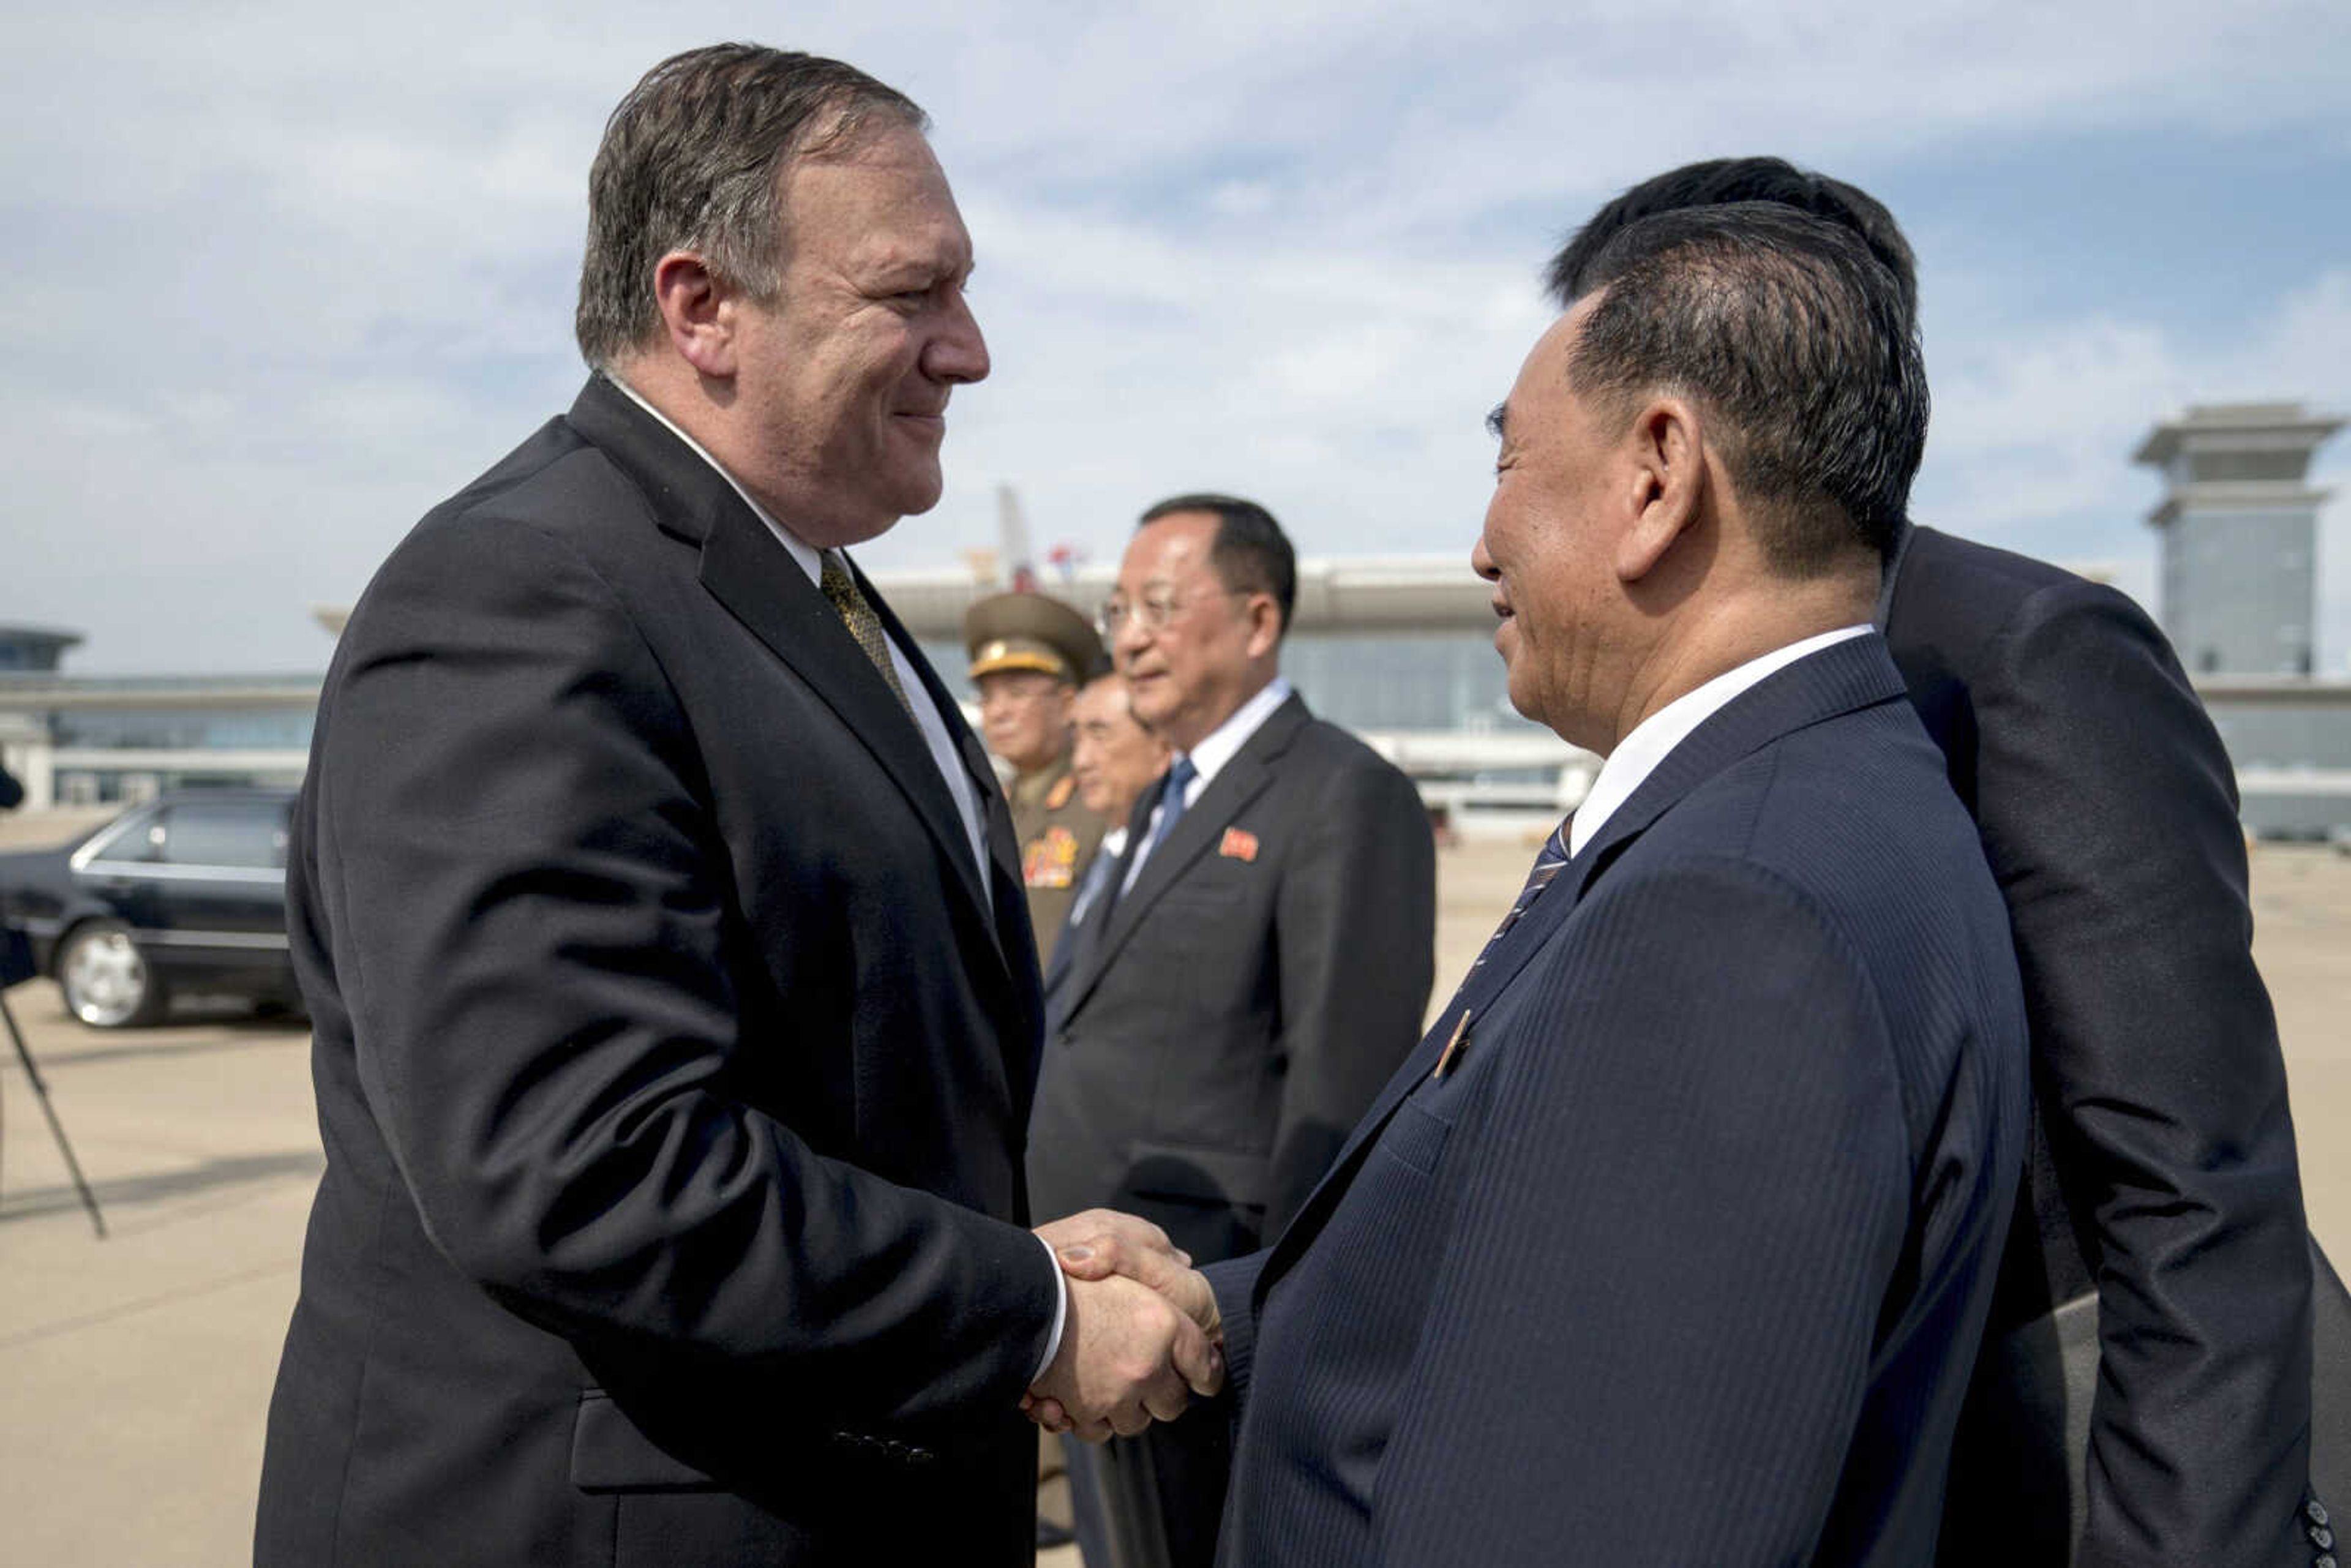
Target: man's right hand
x=1129 y=1355
x=1155 y=1332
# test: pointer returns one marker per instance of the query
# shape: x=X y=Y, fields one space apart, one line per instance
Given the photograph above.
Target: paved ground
x=134 y=1371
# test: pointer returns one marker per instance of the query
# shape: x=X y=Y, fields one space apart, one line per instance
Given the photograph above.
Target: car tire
x=107 y=980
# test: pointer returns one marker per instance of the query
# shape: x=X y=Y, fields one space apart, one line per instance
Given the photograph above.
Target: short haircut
x=1795 y=340
x=1721 y=179
x=1251 y=553
x=691 y=159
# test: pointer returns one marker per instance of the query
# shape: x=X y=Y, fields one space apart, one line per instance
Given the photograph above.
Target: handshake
x=1142 y=1334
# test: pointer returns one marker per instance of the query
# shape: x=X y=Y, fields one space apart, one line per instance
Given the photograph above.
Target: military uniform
x=1057 y=834
x=1058 y=837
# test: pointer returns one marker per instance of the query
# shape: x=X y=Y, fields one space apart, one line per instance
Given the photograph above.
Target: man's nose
x=958 y=353
x=1482 y=563
x=1132 y=634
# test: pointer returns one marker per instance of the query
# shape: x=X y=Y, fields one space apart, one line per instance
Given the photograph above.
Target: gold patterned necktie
x=840 y=589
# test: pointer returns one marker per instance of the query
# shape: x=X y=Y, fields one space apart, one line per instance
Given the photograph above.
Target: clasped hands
x=1141 y=1336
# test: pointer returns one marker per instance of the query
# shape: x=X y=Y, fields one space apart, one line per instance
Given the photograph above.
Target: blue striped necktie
x=1547 y=862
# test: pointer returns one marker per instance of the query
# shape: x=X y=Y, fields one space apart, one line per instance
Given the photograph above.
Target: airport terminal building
x=1400 y=649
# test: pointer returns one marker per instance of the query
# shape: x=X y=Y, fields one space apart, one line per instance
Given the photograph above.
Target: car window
x=141 y=839
x=240 y=833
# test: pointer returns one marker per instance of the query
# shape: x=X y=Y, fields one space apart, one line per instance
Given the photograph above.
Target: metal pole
x=57 y=1128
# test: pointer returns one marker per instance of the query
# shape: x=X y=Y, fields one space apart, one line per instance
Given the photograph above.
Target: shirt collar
x=1222 y=744
x=1653 y=738
x=1113 y=843
x=799 y=548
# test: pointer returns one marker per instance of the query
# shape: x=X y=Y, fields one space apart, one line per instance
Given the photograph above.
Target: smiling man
x=675 y=1002
x=1672 y=1241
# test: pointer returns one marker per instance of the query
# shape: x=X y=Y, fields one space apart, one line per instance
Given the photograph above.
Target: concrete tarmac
x=135 y=1372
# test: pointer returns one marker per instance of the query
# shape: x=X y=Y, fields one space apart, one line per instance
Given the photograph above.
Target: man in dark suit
x=674 y=997
x=1672 y=1241
x=1116 y=761
x=2162 y=1171
x=1258 y=965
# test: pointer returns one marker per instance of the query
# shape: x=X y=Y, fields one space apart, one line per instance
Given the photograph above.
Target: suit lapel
x=744 y=570
x=1203 y=824
x=1838 y=679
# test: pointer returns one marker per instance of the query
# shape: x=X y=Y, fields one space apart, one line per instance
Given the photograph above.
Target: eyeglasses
x=1153 y=611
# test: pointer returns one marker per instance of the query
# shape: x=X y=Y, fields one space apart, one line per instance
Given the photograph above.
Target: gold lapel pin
x=1454 y=1048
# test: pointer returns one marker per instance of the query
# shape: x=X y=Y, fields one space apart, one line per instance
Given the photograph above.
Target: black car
x=185 y=892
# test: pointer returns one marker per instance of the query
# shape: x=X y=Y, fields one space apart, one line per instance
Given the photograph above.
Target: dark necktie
x=840 y=589
x=1171 y=804
x=1547 y=862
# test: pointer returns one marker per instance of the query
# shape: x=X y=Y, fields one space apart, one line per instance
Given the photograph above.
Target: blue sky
x=282 y=278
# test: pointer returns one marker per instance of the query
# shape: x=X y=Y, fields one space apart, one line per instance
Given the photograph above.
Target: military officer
x=1030 y=653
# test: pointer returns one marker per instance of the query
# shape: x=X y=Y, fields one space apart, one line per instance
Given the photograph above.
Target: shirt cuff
x=1060 y=1310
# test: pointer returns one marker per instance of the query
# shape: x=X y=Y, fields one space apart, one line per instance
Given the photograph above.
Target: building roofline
x=56 y=637
x=2285 y=424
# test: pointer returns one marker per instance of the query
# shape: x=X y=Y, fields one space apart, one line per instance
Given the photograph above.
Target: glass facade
x=1406 y=680
x=183 y=730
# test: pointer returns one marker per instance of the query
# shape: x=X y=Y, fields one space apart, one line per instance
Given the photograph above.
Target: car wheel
x=106 y=981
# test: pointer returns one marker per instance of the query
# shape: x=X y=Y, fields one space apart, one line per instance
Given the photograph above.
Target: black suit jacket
x=1217 y=1030
x=1685 y=1257
x=2163 y=1162
x=672 y=1059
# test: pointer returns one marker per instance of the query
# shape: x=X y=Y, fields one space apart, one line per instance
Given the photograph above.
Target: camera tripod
x=15 y=964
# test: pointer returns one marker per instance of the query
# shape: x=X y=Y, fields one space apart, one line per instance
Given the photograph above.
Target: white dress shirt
x=935 y=736
x=1637 y=755
x=1219 y=747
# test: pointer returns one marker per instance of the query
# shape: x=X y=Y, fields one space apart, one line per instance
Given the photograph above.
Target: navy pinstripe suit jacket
x=1686 y=1258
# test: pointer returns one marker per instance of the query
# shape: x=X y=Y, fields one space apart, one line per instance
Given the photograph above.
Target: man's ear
x=1265 y=624
x=1666 y=452
x=697 y=313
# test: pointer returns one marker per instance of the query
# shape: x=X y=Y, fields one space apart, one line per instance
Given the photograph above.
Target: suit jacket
x=1222 y=1023
x=2162 y=1167
x=1685 y=1257
x=672 y=1057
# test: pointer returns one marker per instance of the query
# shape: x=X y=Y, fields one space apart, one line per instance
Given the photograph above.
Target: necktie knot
x=857 y=614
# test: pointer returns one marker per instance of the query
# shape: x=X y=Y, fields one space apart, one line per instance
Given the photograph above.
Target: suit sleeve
x=1356 y=932
x=531 y=922
x=1654 y=1318
x=2108 y=810
x=1234 y=1281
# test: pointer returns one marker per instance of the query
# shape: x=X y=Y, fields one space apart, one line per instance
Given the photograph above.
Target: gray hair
x=691 y=159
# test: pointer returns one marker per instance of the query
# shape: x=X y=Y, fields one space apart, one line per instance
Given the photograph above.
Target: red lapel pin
x=1238 y=845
